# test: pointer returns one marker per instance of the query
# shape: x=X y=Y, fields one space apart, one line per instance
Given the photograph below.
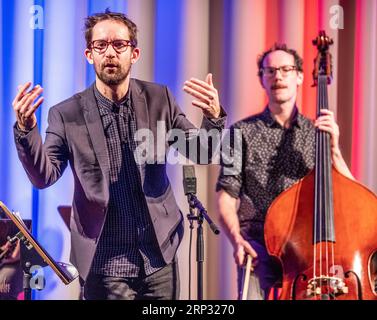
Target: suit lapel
x=140 y=105
x=141 y=114
x=94 y=123
x=95 y=128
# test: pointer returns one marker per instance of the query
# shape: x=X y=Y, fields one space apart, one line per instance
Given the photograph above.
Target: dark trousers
x=161 y=285
x=267 y=274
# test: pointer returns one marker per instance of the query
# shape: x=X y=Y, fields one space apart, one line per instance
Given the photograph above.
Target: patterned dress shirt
x=272 y=159
x=128 y=245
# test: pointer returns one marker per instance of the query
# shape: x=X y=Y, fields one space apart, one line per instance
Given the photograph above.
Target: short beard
x=112 y=79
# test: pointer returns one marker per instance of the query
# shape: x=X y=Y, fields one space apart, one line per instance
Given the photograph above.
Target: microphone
x=189 y=180
x=189 y=186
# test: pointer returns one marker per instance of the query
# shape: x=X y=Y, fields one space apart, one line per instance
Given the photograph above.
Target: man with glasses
x=125 y=225
x=277 y=150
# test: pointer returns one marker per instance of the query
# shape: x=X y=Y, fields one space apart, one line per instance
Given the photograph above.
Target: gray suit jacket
x=75 y=134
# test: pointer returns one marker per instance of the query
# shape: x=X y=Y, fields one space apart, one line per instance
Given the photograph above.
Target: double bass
x=323 y=229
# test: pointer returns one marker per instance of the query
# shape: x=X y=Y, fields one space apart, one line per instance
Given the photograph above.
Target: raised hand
x=207 y=95
x=24 y=107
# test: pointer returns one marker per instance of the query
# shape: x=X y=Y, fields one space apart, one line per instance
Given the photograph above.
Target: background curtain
x=42 y=41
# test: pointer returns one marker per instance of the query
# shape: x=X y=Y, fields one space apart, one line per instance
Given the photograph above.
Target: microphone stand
x=194 y=203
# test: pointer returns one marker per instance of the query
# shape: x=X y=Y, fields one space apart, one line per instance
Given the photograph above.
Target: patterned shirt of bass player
x=273 y=158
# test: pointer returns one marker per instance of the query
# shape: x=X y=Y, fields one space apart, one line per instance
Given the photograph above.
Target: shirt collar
x=111 y=105
x=297 y=119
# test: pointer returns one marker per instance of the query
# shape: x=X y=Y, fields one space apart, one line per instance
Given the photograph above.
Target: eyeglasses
x=271 y=71
x=119 y=46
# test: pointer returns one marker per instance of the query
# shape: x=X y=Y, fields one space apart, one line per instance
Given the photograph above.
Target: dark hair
x=280 y=46
x=92 y=20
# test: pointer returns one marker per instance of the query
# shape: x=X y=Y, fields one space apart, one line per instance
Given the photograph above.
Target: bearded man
x=125 y=224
